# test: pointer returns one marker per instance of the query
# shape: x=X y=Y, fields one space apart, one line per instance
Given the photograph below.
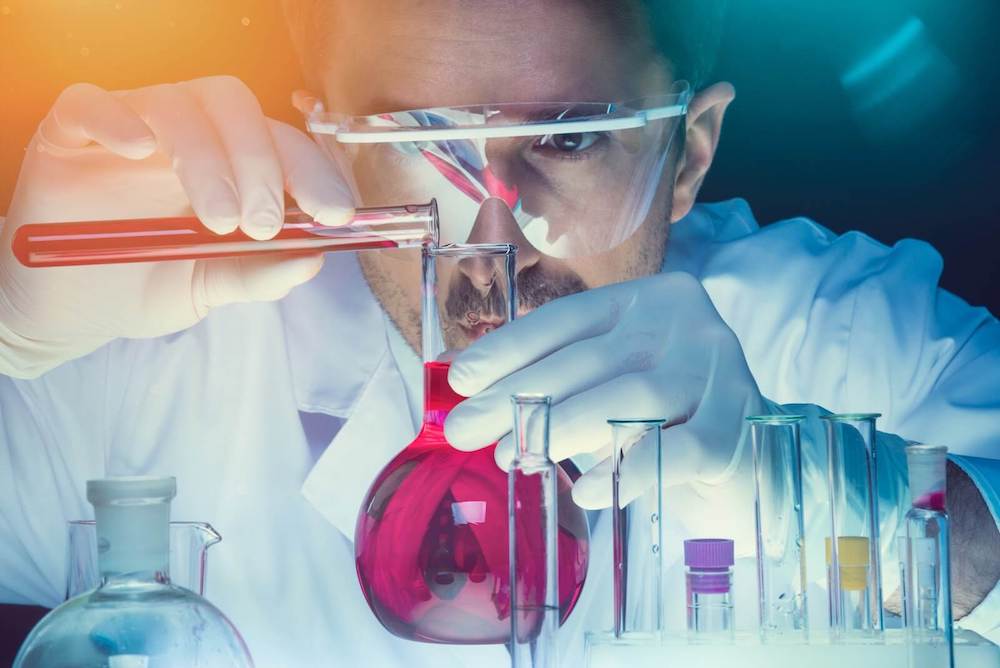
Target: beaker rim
x=850 y=417
x=636 y=420
x=459 y=250
x=531 y=398
x=775 y=419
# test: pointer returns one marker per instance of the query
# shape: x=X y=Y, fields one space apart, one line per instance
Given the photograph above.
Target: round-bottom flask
x=136 y=618
x=431 y=538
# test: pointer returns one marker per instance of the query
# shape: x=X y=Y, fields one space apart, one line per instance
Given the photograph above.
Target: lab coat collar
x=342 y=366
x=334 y=329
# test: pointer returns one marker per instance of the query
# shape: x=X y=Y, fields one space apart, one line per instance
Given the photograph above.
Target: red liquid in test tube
x=186 y=238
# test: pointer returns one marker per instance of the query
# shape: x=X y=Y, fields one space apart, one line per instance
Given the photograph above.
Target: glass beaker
x=854 y=574
x=135 y=618
x=189 y=543
x=781 y=562
x=637 y=528
x=431 y=537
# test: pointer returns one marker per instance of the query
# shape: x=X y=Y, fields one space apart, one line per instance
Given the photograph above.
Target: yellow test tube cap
x=852 y=551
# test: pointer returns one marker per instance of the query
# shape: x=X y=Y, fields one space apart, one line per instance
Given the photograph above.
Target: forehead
x=386 y=55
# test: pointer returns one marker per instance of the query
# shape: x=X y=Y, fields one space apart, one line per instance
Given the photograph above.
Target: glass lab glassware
x=848 y=578
x=924 y=561
x=853 y=488
x=135 y=618
x=637 y=528
x=709 y=579
x=187 y=238
x=781 y=563
x=189 y=543
x=431 y=537
x=533 y=537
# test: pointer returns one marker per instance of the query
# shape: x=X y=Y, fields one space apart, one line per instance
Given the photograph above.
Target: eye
x=409 y=148
x=572 y=142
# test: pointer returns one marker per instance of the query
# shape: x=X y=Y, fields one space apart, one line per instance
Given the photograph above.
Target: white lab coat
x=275 y=418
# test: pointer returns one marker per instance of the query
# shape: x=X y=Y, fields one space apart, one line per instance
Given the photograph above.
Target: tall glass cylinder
x=637 y=527
x=781 y=564
x=533 y=539
x=431 y=537
x=854 y=573
x=924 y=561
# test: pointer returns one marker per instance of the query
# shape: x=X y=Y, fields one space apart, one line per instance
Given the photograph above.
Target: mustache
x=536 y=285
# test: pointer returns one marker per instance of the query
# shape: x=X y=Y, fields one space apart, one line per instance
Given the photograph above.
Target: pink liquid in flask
x=431 y=540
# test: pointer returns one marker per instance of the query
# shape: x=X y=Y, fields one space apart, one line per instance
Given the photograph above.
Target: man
x=276 y=416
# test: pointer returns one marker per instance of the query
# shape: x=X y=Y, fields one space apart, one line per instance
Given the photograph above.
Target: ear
x=704 y=124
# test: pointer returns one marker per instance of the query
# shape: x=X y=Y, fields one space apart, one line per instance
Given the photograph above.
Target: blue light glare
x=894 y=46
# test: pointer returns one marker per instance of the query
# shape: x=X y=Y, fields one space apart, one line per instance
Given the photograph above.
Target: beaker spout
x=209 y=536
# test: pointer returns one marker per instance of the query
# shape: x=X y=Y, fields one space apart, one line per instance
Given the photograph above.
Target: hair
x=685 y=33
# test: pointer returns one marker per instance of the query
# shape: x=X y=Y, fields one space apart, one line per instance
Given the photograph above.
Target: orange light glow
x=45 y=45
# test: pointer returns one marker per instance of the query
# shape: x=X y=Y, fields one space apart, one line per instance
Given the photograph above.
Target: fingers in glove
x=262 y=278
x=527 y=340
x=638 y=475
x=485 y=417
x=244 y=133
x=188 y=137
x=85 y=114
x=310 y=177
x=580 y=424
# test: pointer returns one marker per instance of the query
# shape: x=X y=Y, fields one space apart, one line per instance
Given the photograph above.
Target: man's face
x=396 y=55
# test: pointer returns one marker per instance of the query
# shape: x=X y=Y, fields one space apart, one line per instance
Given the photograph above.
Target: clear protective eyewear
x=578 y=178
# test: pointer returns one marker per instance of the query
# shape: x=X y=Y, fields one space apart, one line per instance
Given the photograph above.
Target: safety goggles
x=578 y=178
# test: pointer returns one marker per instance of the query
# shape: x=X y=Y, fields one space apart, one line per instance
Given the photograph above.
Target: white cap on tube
x=133 y=523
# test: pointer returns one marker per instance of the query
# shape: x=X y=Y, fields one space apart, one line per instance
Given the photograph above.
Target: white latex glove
x=649 y=348
x=202 y=147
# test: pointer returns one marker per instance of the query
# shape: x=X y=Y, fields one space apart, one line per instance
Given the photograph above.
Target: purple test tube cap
x=708 y=553
x=710 y=561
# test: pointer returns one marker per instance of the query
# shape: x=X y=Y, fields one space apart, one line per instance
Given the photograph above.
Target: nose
x=495 y=224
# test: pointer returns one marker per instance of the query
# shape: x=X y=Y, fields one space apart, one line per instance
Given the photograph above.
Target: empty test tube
x=533 y=526
x=709 y=578
x=781 y=566
x=854 y=517
x=637 y=531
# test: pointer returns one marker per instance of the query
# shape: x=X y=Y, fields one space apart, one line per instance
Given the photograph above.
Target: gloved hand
x=649 y=348
x=202 y=146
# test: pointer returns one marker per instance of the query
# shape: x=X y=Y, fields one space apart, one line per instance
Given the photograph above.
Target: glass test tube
x=853 y=560
x=924 y=561
x=781 y=564
x=533 y=537
x=636 y=527
x=709 y=578
x=187 y=238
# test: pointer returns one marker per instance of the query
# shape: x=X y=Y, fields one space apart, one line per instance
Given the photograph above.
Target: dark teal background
x=924 y=162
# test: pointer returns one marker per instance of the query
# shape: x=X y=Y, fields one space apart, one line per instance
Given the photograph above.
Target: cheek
x=394 y=277
x=640 y=255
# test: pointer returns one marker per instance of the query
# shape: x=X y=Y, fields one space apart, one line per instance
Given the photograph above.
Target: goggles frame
x=619 y=116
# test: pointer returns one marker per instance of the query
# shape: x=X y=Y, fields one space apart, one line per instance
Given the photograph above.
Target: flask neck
x=133 y=541
x=439 y=398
